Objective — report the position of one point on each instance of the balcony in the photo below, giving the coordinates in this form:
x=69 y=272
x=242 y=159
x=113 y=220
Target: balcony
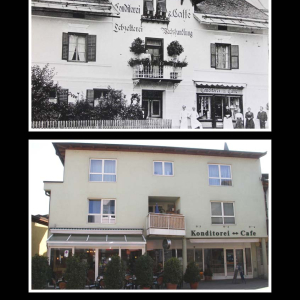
x=165 y=224
x=157 y=74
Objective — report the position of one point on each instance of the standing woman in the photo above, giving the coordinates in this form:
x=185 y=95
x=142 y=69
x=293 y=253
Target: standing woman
x=183 y=118
x=227 y=122
x=249 y=119
x=239 y=119
x=194 y=119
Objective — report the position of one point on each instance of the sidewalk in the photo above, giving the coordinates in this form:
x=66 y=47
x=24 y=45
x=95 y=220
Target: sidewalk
x=251 y=284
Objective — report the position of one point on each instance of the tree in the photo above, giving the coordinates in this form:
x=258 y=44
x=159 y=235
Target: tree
x=42 y=85
x=41 y=271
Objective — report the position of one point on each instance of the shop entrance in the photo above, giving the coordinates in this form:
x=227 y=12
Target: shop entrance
x=211 y=108
x=152 y=104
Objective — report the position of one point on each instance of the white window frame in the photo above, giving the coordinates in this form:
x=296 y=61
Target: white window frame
x=101 y=214
x=102 y=173
x=222 y=216
x=220 y=178
x=163 y=167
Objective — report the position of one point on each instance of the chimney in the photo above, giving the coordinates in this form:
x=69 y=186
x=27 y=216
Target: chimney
x=226 y=147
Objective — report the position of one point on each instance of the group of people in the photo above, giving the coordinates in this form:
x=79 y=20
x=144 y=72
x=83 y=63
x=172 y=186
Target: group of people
x=185 y=115
x=227 y=122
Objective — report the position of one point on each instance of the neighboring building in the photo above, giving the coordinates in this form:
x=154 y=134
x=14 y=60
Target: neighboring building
x=262 y=5
x=39 y=234
x=211 y=207
x=225 y=45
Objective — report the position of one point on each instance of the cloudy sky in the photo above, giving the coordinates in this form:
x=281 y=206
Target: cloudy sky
x=45 y=165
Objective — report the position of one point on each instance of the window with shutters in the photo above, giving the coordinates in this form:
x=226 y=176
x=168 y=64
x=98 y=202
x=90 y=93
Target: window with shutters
x=224 y=56
x=95 y=96
x=78 y=47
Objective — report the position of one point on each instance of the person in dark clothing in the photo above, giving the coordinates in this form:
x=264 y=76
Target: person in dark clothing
x=249 y=116
x=240 y=268
x=262 y=116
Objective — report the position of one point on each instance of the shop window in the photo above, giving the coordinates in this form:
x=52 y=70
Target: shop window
x=103 y=170
x=199 y=259
x=102 y=211
x=87 y=256
x=129 y=257
x=220 y=175
x=204 y=107
x=105 y=256
x=248 y=261
x=214 y=259
x=222 y=213
x=58 y=259
x=157 y=256
x=224 y=56
x=163 y=168
x=78 y=47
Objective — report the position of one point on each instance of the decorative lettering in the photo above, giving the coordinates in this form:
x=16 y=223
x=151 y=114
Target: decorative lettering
x=128 y=8
x=127 y=28
x=176 y=32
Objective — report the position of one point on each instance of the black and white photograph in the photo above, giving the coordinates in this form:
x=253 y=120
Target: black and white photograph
x=149 y=65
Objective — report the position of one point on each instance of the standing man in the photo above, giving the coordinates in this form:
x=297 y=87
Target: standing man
x=262 y=116
x=183 y=118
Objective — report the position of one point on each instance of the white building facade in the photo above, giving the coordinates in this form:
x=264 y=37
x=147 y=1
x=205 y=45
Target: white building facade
x=225 y=46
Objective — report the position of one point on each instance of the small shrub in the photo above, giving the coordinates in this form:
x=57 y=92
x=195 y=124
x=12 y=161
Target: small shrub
x=115 y=273
x=75 y=273
x=172 y=271
x=174 y=48
x=192 y=273
x=41 y=271
x=144 y=271
x=137 y=46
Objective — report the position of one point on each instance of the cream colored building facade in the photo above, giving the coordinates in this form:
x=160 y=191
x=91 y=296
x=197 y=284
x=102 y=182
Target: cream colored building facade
x=106 y=205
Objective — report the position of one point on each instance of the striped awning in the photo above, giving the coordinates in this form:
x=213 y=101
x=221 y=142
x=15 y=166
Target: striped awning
x=231 y=21
x=101 y=8
x=94 y=240
x=207 y=84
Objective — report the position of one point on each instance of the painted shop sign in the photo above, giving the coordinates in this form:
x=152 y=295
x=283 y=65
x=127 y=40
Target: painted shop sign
x=127 y=28
x=128 y=8
x=184 y=14
x=219 y=91
x=222 y=233
x=176 y=32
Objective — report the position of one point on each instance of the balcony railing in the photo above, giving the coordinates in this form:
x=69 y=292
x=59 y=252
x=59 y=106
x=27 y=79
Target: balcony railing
x=157 y=72
x=165 y=224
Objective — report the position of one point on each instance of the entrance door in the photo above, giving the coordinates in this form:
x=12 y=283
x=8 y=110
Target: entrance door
x=217 y=110
x=230 y=262
x=152 y=104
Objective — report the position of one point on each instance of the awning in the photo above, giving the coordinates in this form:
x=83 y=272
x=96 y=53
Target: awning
x=94 y=240
x=231 y=21
x=101 y=8
x=205 y=84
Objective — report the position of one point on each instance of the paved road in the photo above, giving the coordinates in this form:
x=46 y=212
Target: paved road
x=251 y=284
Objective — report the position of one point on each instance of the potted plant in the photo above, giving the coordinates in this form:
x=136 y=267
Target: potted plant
x=144 y=271
x=137 y=46
x=192 y=275
x=174 y=49
x=115 y=273
x=75 y=273
x=208 y=274
x=172 y=273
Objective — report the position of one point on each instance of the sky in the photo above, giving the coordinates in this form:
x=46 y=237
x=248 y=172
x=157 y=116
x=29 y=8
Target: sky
x=45 y=165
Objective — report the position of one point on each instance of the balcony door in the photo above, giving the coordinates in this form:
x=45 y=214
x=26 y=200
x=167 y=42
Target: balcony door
x=156 y=48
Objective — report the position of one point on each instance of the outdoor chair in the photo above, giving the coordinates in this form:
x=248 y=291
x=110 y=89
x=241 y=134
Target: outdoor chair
x=102 y=284
x=158 y=282
x=54 y=283
x=90 y=283
x=128 y=282
x=62 y=285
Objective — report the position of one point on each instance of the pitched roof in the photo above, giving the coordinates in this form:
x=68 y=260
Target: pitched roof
x=62 y=147
x=232 y=8
x=41 y=219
